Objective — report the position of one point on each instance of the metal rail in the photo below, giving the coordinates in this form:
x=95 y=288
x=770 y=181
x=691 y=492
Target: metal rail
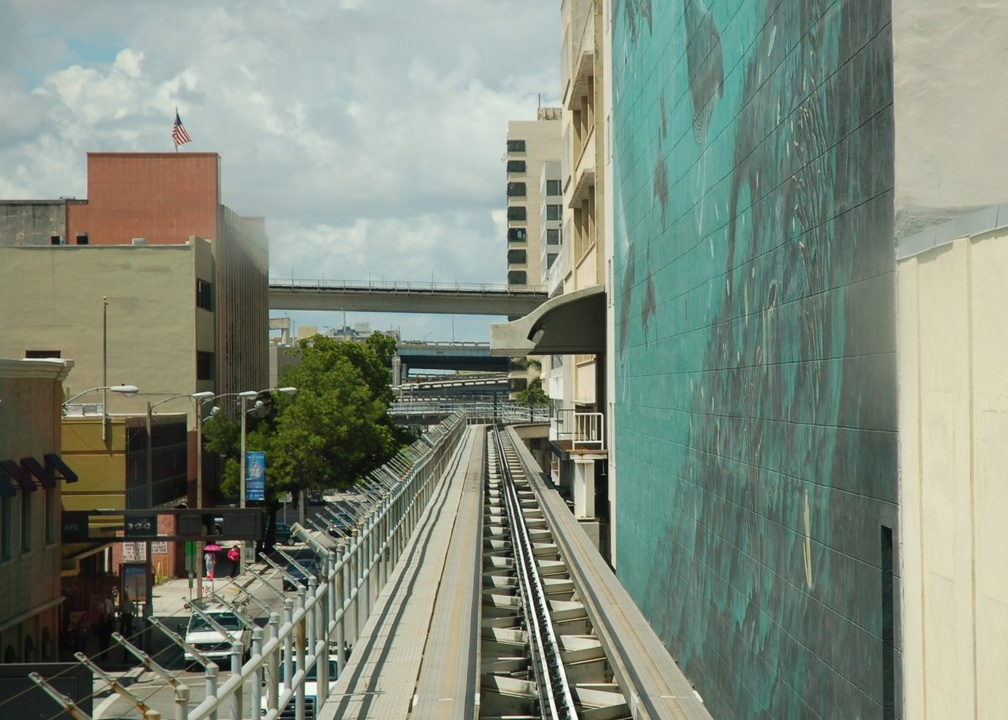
x=556 y=701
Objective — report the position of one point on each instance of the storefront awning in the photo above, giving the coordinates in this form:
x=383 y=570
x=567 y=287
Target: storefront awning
x=15 y=473
x=55 y=464
x=43 y=476
x=569 y=324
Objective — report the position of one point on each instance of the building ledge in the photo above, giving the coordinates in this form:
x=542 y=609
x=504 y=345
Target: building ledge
x=569 y=324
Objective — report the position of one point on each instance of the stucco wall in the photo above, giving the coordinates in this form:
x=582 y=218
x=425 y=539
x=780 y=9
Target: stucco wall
x=755 y=369
x=151 y=316
x=953 y=455
x=951 y=138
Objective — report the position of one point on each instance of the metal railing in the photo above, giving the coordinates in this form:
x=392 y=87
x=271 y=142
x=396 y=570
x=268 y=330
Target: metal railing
x=329 y=613
x=476 y=412
x=584 y=430
x=407 y=286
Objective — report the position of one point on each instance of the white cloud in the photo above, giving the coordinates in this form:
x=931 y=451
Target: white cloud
x=368 y=132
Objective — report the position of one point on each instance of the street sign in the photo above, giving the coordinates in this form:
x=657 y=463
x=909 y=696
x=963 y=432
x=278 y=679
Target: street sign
x=74 y=526
x=255 y=475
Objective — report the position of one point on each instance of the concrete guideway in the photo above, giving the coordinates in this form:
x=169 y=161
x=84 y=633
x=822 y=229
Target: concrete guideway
x=423 y=616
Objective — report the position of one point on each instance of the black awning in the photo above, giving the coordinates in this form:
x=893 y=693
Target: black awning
x=16 y=473
x=55 y=462
x=34 y=467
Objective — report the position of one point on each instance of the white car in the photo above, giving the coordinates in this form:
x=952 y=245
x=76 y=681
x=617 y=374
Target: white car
x=209 y=641
x=311 y=692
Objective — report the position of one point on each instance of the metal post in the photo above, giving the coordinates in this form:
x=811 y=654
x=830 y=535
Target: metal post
x=340 y=596
x=257 y=676
x=273 y=665
x=104 y=365
x=236 y=662
x=199 y=496
x=288 y=668
x=299 y=654
x=211 y=684
x=182 y=702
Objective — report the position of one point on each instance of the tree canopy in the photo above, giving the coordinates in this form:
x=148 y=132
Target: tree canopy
x=334 y=431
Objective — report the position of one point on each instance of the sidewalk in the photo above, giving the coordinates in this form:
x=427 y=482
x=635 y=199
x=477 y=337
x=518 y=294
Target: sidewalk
x=171 y=598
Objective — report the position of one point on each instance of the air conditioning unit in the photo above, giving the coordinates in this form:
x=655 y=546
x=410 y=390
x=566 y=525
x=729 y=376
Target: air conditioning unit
x=139 y=241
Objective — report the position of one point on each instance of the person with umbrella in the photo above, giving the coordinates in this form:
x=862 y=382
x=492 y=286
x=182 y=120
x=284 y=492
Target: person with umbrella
x=209 y=559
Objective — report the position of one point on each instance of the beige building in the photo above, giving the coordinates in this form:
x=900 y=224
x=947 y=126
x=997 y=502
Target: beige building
x=533 y=202
x=125 y=314
x=30 y=490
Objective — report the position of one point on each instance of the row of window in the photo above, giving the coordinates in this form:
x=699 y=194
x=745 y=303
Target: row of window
x=518 y=212
x=82 y=239
x=24 y=513
x=521 y=235
x=518 y=189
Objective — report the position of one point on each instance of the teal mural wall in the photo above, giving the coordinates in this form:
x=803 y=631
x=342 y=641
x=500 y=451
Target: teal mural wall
x=755 y=339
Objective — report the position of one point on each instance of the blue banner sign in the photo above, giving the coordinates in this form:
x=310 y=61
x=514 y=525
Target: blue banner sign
x=255 y=475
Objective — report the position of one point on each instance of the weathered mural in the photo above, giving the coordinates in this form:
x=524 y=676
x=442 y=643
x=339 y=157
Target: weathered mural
x=756 y=396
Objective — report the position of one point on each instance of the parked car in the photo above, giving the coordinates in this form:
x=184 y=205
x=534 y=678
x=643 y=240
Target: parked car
x=306 y=558
x=310 y=690
x=209 y=641
x=283 y=533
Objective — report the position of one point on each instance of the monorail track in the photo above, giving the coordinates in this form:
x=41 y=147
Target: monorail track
x=540 y=657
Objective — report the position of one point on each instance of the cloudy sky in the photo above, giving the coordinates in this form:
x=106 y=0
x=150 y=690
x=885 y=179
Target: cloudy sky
x=369 y=133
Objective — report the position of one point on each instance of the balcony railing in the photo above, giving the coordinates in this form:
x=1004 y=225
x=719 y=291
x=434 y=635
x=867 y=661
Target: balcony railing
x=583 y=430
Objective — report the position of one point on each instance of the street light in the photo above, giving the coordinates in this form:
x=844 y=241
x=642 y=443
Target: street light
x=127 y=390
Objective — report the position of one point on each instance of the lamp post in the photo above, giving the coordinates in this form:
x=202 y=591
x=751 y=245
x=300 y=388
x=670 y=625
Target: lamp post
x=127 y=390
x=245 y=397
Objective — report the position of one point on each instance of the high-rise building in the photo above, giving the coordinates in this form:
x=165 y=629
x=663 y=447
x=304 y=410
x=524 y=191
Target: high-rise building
x=533 y=151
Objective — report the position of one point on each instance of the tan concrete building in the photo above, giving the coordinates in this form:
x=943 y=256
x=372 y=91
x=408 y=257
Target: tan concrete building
x=125 y=315
x=531 y=145
x=30 y=497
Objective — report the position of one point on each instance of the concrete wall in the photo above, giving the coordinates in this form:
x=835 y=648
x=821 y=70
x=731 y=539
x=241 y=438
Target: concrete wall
x=755 y=353
x=949 y=73
x=152 y=322
x=953 y=455
x=33 y=222
x=30 y=395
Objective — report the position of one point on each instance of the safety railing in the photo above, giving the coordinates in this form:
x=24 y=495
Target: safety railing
x=583 y=430
x=329 y=614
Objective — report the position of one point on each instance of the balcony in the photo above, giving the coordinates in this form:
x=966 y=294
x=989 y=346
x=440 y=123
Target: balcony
x=578 y=432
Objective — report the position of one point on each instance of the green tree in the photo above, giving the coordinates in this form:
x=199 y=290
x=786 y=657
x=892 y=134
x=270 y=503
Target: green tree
x=533 y=394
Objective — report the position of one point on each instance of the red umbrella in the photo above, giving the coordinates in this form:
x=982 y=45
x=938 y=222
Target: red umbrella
x=212 y=547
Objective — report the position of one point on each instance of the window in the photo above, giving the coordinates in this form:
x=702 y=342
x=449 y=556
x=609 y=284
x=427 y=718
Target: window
x=49 y=498
x=516 y=145
x=553 y=236
x=55 y=239
x=35 y=354
x=6 y=526
x=516 y=257
x=205 y=366
x=516 y=189
x=26 y=524
x=554 y=212
x=82 y=239
x=550 y=259
x=516 y=277
x=204 y=295
x=553 y=187
x=516 y=166
x=517 y=234
x=516 y=212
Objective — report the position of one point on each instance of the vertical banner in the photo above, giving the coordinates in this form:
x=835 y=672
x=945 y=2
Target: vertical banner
x=255 y=475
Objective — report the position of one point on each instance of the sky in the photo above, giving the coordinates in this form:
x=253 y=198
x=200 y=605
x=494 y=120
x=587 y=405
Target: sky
x=369 y=133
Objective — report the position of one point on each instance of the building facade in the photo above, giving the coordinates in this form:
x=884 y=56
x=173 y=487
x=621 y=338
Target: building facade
x=755 y=351
x=530 y=145
x=31 y=602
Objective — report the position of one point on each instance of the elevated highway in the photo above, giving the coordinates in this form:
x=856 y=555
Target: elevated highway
x=404 y=297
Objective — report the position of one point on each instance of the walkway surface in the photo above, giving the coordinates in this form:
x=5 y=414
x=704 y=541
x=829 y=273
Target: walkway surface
x=417 y=652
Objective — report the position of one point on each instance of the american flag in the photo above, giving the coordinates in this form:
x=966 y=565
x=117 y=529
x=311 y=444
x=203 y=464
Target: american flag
x=178 y=133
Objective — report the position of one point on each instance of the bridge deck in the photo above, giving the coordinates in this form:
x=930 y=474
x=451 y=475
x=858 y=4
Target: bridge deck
x=418 y=651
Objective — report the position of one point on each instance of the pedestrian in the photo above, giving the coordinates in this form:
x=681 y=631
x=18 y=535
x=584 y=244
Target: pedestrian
x=234 y=555
x=208 y=563
x=104 y=635
x=126 y=612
